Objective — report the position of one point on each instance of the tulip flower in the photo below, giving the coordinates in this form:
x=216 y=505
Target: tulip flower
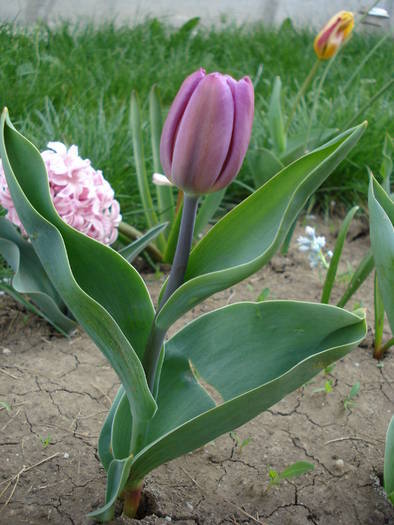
x=333 y=35
x=207 y=132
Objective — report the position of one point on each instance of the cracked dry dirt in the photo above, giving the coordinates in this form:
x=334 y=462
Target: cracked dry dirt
x=60 y=390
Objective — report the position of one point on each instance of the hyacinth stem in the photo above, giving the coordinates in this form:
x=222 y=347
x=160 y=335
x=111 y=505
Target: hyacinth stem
x=177 y=274
x=131 y=496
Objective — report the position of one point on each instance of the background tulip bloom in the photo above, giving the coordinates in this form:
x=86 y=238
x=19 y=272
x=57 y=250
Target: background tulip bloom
x=333 y=35
x=207 y=132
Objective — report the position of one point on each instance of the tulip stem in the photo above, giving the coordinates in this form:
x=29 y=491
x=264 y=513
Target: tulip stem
x=317 y=98
x=183 y=247
x=177 y=274
x=301 y=92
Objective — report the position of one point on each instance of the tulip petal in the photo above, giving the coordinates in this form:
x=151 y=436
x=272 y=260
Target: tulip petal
x=243 y=95
x=173 y=119
x=204 y=135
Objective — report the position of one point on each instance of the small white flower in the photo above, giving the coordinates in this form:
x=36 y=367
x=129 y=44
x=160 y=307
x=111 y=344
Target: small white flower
x=321 y=241
x=313 y=245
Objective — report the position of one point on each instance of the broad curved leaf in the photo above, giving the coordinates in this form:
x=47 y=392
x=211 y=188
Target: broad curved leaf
x=252 y=355
x=105 y=294
x=381 y=220
x=30 y=277
x=226 y=255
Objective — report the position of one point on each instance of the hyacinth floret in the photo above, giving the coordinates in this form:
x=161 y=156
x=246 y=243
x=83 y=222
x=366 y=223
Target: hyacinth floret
x=313 y=244
x=80 y=194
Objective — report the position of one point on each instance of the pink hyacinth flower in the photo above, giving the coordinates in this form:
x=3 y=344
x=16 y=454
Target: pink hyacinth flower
x=80 y=194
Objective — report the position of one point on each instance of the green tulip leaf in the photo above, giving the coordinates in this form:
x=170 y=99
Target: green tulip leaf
x=362 y=271
x=210 y=204
x=226 y=255
x=121 y=429
x=31 y=279
x=275 y=118
x=117 y=477
x=296 y=145
x=104 y=443
x=381 y=220
x=251 y=355
x=264 y=164
x=332 y=269
x=103 y=291
x=132 y=250
x=388 y=471
x=165 y=199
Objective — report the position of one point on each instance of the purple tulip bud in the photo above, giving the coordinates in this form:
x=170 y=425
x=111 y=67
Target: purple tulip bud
x=207 y=132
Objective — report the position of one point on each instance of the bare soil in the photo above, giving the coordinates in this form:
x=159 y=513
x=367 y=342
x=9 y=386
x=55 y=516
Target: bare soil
x=59 y=391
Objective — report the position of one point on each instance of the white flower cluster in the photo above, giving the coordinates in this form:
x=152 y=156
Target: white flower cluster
x=313 y=245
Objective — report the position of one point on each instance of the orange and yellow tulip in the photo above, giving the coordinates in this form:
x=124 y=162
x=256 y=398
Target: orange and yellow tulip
x=333 y=35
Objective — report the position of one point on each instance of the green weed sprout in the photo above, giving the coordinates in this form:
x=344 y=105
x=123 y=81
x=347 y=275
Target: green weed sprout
x=294 y=470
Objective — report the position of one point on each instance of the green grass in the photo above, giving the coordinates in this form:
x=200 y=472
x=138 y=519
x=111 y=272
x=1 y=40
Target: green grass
x=73 y=83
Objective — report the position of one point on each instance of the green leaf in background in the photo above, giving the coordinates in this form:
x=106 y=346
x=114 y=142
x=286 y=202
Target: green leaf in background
x=183 y=34
x=381 y=219
x=132 y=250
x=361 y=273
x=275 y=118
x=264 y=164
x=103 y=291
x=225 y=255
x=280 y=345
x=388 y=472
x=210 y=204
x=169 y=252
x=296 y=144
x=31 y=279
x=386 y=168
x=139 y=160
x=379 y=317
x=336 y=256
x=165 y=199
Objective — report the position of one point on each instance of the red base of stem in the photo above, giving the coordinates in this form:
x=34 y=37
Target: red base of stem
x=131 y=500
